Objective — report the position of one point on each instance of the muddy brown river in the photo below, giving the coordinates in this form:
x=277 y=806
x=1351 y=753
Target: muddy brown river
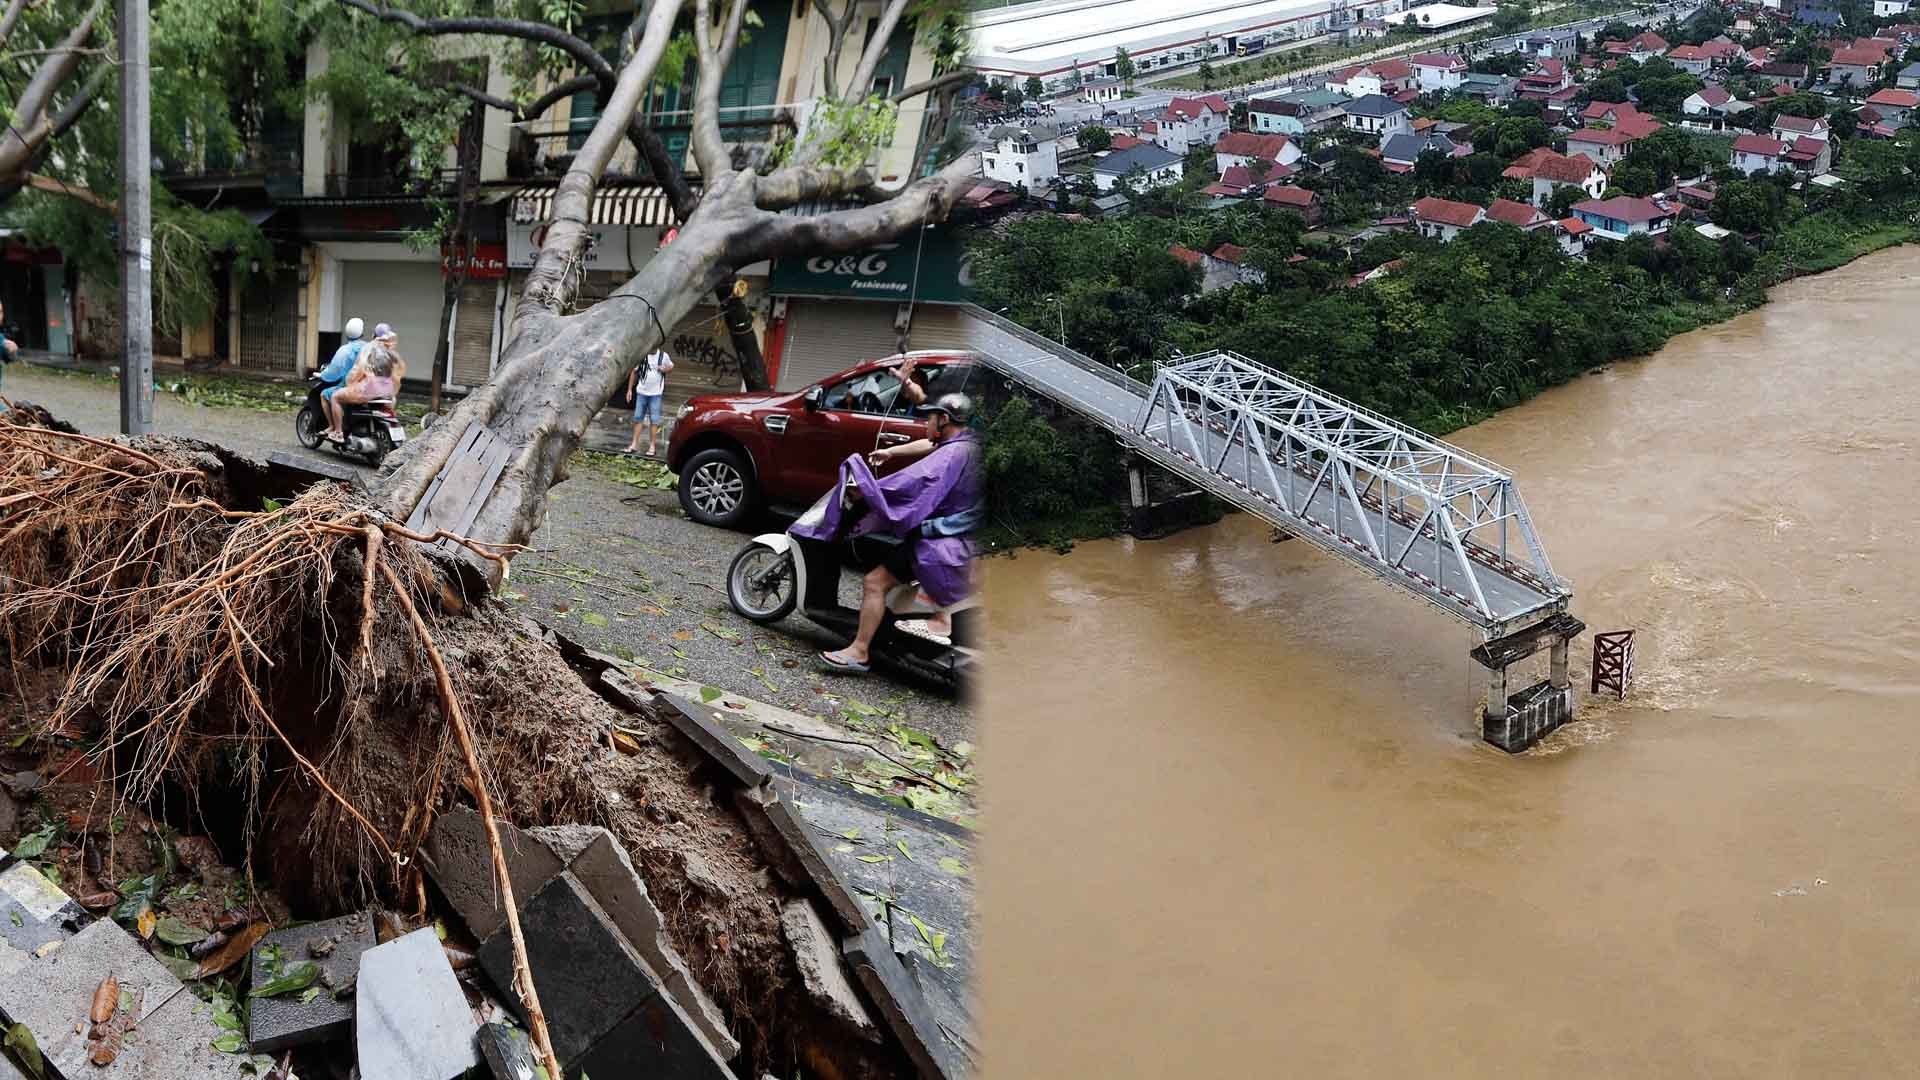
x=1239 y=820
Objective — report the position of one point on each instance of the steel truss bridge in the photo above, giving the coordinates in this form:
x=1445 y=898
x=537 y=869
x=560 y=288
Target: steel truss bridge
x=1417 y=513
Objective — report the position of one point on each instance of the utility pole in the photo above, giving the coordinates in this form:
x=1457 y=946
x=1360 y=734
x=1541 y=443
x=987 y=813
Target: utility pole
x=136 y=223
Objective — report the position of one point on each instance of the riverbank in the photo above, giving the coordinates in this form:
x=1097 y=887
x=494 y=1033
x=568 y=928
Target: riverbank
x=1455 y=334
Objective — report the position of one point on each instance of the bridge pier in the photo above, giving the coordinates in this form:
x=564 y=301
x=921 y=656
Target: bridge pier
x=1515 y=721
x=1149 y=517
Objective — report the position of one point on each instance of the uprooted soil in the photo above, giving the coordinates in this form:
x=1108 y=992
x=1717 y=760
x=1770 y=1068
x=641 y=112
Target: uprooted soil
x=215 y=654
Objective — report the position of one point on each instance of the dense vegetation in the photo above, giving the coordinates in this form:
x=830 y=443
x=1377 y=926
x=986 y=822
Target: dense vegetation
x=1451 y=334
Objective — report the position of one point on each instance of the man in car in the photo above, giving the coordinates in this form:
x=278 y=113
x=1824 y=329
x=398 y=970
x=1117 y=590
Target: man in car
x=931 y=505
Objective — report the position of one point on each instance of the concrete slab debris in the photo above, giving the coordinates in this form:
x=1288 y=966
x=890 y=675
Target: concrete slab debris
x=174 y=1043
x=600 y=864
x=411 y=1020
x=34 y=916
x=821 y=969
x=53 y=995
x=748 y=768
x=794 y=849
x=457 y=856
x=335 y=947
x=606 y=1012
x=901 y=1004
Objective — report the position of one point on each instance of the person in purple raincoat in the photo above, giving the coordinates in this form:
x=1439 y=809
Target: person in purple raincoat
x=932 y=505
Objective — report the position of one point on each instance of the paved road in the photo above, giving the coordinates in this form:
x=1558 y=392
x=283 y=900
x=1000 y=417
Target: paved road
x=1073 y=114
x=617 y=567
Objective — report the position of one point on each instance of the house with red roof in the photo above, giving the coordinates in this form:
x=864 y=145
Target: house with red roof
x=1572 y=235
x=1297 y=200
x=1607 y=112
x=1894 y=106
x=1604 y=145
x=1214 y=273
x=1721 y=52
x=1690 y=58
x=1188 y=122
x=1809 y=156
x=1443 y=219
x=1548 y=75
x=1244 y=271
x=1623 y=216
x=1238 y=181
x=1549 y=171
x=1523 y=216
x=1247 y=147
x=1788 y=128
x=1639 y=48
x=1757 y=154
x=1854 y=67
x=1438 y=71
x=1385 y=77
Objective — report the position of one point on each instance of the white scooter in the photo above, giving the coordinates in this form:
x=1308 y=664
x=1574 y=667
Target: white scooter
x=776 y=572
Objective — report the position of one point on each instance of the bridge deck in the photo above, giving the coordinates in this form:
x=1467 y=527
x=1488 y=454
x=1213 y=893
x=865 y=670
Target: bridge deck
x=1326 y=516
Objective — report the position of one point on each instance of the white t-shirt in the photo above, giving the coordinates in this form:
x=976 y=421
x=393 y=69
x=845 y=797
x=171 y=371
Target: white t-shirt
x=653 y=381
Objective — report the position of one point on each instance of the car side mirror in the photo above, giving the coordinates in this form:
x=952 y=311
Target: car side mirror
x=812 y=396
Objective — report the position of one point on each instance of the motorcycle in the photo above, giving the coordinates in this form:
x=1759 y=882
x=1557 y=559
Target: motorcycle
x=776 y=572
x=373 y=428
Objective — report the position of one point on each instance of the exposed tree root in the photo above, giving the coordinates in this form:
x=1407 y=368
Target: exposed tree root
x=292 y=651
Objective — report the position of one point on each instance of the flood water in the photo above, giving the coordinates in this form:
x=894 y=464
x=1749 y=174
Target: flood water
x=1239 y=820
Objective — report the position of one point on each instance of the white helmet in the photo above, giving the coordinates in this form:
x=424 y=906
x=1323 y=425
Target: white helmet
x=354 y=328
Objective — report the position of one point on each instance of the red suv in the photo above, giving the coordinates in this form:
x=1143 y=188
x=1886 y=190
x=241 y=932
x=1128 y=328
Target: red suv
x=737 y=453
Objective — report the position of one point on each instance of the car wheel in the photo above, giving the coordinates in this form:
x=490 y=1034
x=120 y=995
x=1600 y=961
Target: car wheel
x=308 y=427
x=717 y=488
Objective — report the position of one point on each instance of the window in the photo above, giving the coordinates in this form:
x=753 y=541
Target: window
x=870 y=393
x=938 y=379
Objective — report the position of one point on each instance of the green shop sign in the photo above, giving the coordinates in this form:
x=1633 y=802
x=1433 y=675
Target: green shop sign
x=926 y=265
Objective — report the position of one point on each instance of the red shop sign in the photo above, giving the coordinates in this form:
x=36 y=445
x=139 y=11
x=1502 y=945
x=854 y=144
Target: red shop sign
x=489 y=261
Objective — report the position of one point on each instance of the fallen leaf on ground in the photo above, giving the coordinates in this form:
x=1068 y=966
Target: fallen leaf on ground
x=953 y=866
x=625 y=743
x=177 y=932
x=298 y=977
x=683 y=635
x=902 y=845
x=708 y=693
x=106 y=998
x=145 y=922
x=876 y=858
x=237 y=947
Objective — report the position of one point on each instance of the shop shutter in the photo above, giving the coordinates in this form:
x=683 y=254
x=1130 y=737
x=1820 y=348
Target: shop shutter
x=472 y=357
x=937 y=326
x=409 y=295
x=827 y=336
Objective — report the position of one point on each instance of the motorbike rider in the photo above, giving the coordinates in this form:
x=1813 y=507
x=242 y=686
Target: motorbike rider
x=376 y=373
x=931 y=506
x=334 y=375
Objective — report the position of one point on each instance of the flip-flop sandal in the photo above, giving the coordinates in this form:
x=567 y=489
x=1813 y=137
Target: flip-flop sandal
x=853 y=667
x=921 y=628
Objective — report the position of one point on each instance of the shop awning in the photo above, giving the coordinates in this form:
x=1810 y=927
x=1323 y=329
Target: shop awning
x=616 y=204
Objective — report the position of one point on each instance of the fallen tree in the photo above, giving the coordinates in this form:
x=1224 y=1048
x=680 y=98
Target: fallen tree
x=334 y=679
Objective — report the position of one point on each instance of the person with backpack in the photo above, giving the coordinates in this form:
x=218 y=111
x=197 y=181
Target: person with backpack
x=646 y=385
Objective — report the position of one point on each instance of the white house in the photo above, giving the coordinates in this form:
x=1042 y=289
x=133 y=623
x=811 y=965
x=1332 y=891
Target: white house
x=1101 y=91
x=1438 y=71
x=1188 y=122
x=1884 y=8
x=1788 y=128
x=1158 y=167
x=1443 y=219
x=1604 y=145
x=1550 y=171
x=1378 y=115
x=1757 y=154
x=1020 y=158
x=1245 y=148
x=1380 y=77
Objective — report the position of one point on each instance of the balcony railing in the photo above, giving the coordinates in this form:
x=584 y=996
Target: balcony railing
x=422 y=184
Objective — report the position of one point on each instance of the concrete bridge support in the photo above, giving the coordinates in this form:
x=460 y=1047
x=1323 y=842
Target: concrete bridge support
x=1515 y=721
